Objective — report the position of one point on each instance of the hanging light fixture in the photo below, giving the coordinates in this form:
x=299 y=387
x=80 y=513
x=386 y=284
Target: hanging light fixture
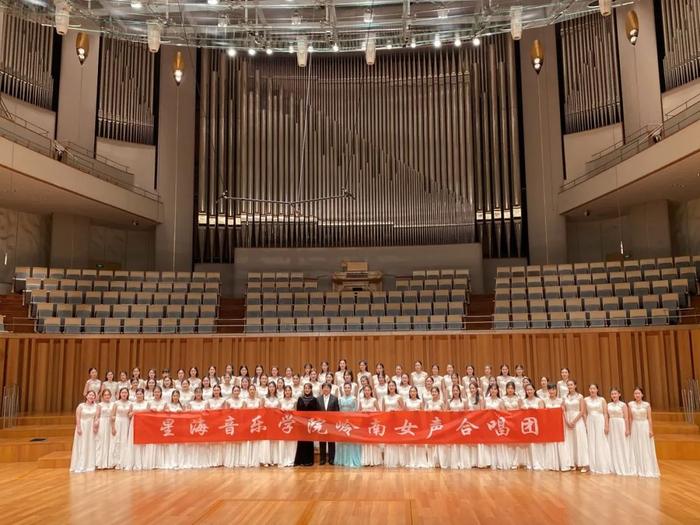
x=632 y=26
x=516 y=22
x=136 y=4
x=368 y=16
x=178 y=68
x=458 y=40
x=437 y=42
x=82 y=47
x=476 y=41
x=154 y=31
x=62 y=18
x=231 y=51
x=413 y=43
x=302 y=50
x=605 y=7
x=537 y=56
x=371 y=49
x=335 y=47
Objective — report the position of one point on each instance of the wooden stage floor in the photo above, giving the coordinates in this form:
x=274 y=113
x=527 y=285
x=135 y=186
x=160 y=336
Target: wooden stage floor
x=331 y=495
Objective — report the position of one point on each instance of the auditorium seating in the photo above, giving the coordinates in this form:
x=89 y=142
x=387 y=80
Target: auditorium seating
x=105 y=301
x=279 y=282
x=627 y=293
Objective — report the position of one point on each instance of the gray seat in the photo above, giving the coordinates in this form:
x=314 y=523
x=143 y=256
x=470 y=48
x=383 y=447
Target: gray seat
x=92 y=325
x=287 y=324
x=520 y=321
x=353 y=324
x=557 y=320
x=438 y=322
x=386 y=323
x=637 y=317
x=131 y=326
x=578 y=319
x=206 y=325
x=253 y=325
x=150 y=326
x=403 y=322
x=112 y=326
x=168 y=326
x=370 y=324
x=501 y=321
x=72 y=325
x=320 y=324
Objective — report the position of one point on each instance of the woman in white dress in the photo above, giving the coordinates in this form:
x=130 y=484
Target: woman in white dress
x=381 y=388
x=398 y=372
x=438 y=455
x=154 y=455
x=543 y=391
x=93 y=383
x=349 y=379
x=426 y=390
x=519 y=381
x=437 y=380
x=339 y=376
x=230 y=371
x=245 y=387
x=119 y=444
x=168 y=388
x=642 y=436
x=556 y=455
x=274 y=375
x=103 y=458
x=308 y=367
x=597 y=430
x=460 y=455
x=415 y=456
x=622 y=461
x=85 y=435
x=233 y=451
x=498 y=454
x=516 y=454
x=330 y=379
x=392 y=402
x=172 y=453
x=297 y=389
x=123 y=382
x=151 y=385
x=136 y=374
x=485 y=381
x=469 y=377
x=503 y=379
x=269 y=450
x=110 y=384
x=563 y=383
x=315 y=383
x=363 y=371
x=575 y=427
x=186 y=393
x=251 y=450
x=404 y=386
x=136 y=454
x=152 y=374
x=216 y=450
x=242 y=374
x=280 y=388
x=196 y=455
x=288 y=376
x=535 y=451
x=448 y=379
x=418 y=376
x=213 y=377
x=226 y=386
x=371 y=454
x=480 y=456
x=378 y=371
x=287 y=449
x=207 y=390
x=177 y=383
x=325 y=369
x=195 y=381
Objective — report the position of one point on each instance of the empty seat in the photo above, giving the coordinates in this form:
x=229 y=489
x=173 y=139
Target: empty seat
x=552 y=292
x=155 y=310
x=502 y=283
x=458 y=295
x=83 y=311
x=57 y=296
x=102 y=310
x=150 y=326
x=641 y=288
x=550 y=280
x=391 y=297
x=386 y=323
x=173 y=311
x=402 y=284
x=650 y=301
x=120 y=310
x=659 y=316
x=567 y=280
x=652 y=274
x=140 y=311
x=110 y=297
x=538 y=306
x=331 y=310
x=591 y=304
x=578 y=319
x=664 y=262
x=377 y=309
x=363 y=297
x=424 y=309
x=455 y=308
x=403 y=322
x=502 y=294
x=420 y=322
x=438 y=322
x=549 y=269
x=587 y=290
x=538 y=320
x=144 y=298
x=533 y=270
x=44 y=310
x=347 y=310
x=580 y=268
x=557 y=320
x=597 y=319
x=410 y=296
x=100 y=286
x=127 y=298
x=408 y=309
x=500 y=321
x=194 y=298
x=666 y=273
x=555 y=305
x=573 y=305
x=164 y=287
x=630 y=302
x=370 y=324
x=213 y=298
x=622 y=289
x=332 y=298
x=253 y=325
x=517 y=271
x=92 y=325
x=347 y=298
x=440 y=308
x=269 y=310
x=599 y=278
x=117 y=286
x=519 y=307
x=616 y=277
x=671 y=303
x=393 y=309
x=445 y=284
x=74 y=297
x=208 y=311
x=64 y=310
x=637 y=317
x=287 y=324
x=301 y=310
x=362 y=310
x=568 y=292
x=168 y=326
x=353 y=324
x=134 y=286
x=425 y=296
x=206 y=325
x=680 y=287
x=518 y=293
x=253 y=298
x=604 y=290
x=583 y=279
x=633 y=276
x=502 y=307
x=520 y=321
x=112 y=326
x=536 y=292
x=131 y=326
x=503 y=272
x=270 y=324
x=428 y=284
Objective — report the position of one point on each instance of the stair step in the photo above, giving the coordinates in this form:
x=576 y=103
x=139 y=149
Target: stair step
x=14 y=450
x=38 y=431
x=678 y=446
x=46 y=419
x=58 y=459
x=674 y=427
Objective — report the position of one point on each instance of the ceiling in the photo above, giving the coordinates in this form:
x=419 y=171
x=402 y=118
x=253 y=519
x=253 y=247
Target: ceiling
x=278 y=24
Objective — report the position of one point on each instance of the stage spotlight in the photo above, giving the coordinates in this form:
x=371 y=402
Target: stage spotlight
x=632 y=26
x=537 y=56
x=516 y=22
x=389 y=45
x=178 y=68
x=82 y=47
x=268 y=50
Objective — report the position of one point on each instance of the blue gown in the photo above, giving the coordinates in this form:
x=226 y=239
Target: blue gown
x=348 y=454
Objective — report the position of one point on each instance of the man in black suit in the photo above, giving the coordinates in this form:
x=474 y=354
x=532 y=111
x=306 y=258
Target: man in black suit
x=327 y=402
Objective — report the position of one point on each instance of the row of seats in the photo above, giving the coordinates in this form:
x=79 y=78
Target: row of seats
x=137 y=311
x=597 y=278
x=432 y=284
x=615 y=318
x=589 y=304
x=441 y=274
x=357 y=310
x=381 y=297
x=598 y=267
x=77 y=325
x=42 y=272
x=273 y=286
x=120 y=286
x=60 y=297
x=679 y=286
x=354 y=324
x=267 y=277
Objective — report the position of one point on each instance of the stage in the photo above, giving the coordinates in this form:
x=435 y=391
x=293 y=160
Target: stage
x=338 y=495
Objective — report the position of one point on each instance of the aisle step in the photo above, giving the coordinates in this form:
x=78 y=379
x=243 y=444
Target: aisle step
x=13 y=450
x=59 y=459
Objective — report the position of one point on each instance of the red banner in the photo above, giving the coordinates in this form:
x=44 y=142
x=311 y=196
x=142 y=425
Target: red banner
x=416 y=427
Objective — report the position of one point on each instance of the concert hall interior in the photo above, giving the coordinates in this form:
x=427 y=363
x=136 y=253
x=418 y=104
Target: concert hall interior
x=362 y=260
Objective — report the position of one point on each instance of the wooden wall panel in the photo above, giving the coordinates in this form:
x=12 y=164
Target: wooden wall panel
x=51 y=370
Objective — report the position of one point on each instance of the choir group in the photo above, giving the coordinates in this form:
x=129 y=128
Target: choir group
x=604 y=437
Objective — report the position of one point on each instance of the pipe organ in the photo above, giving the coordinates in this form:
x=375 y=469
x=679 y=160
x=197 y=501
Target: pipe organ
x=26 y=60
x=590 y=73
x=421 y=148
x=681 y=41
x=126 y=99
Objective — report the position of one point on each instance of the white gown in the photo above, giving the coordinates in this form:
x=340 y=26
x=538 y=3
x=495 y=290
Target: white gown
x=576 y=438
x=534 y=457
x=112 y=386
x=418 y=379
x=516 y=454
x=250 y=453
x=598 y=446
x=622 y=462
x=371 y=454
x=94 y=385
x=136 y=454
x=392 y=452
x=460 y=455
x=119 y=444
x=195 y=455
x=186 y=396
x=480 y=454
x=216 y=450
x=232 y=455
x=153 y=454
x=287 y=449
x=84 y=445
x=562 y=389
x=415 y=456
x=643 y=448
x=103 y=457
x=557 y=455
x=498 y=454
x=519 y=387
x=438 y=455
x=171 y=453
x=269 y=450
x=403 y=391
x=502 y=382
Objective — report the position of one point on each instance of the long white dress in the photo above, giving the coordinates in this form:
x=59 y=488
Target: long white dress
x=287 y=449
x=643 y=448
x=516 y=454
x=233 y=456
x=484 y=382
x=153 y=455
x=186 y=396
x=269 y=450
x=103 y=458
x=216 y=450
x=195 y=455
x=94 y=385
x=136 y=454
x=502 y=382
x=112 y=386
x=576 y=438
x=557 y=455
x=415 y=456
x=167 y=394
x=598 y=445
x=371 y=454
x=562 y=389
x=480 y=454
x=498 y=454
x=438 y=455
x=119 y=444
x=519 y=387
x=250 y=453
x=418 y=379
x=534 y=457
x=84 y=444
x=403 y=390
x=620 y=451
x=392 y=452
x=171 y=453
x=460 y=455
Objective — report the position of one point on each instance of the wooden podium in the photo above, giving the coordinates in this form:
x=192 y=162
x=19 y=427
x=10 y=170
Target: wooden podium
x=356 y=277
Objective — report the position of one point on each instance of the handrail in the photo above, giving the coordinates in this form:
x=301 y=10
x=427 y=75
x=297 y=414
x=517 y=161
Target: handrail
x=682 y=107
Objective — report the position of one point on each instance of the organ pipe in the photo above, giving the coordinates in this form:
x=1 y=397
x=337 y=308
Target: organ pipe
x=681 y=39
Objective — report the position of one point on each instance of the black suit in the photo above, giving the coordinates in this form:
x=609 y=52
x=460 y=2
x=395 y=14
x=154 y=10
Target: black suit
x=327 y=448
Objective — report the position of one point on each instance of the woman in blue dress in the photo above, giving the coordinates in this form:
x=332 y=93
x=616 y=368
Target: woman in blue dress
x=348 y=454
